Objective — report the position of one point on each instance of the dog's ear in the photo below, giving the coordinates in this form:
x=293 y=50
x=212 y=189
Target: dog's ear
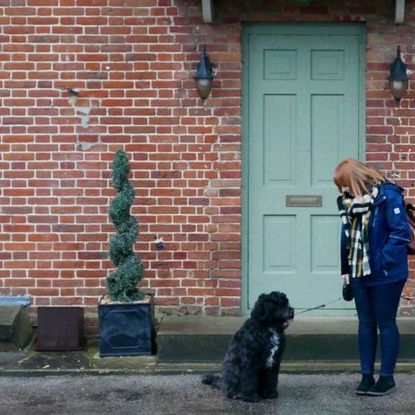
x=279 y=298
x=260 y=311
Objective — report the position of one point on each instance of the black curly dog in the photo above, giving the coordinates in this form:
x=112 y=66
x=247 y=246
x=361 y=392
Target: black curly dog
x=252 y=362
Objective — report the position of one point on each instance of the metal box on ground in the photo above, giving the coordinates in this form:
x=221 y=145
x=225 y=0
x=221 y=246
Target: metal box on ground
x=60 y=328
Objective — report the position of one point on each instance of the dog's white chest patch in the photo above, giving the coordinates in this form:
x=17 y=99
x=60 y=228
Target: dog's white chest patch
x=275 y=344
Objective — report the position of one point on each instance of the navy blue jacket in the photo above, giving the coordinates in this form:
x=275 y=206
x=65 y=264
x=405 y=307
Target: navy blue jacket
x=389 y=236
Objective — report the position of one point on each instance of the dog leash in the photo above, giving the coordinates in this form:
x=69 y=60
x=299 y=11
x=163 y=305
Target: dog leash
x=319 y=306
x=337 y=299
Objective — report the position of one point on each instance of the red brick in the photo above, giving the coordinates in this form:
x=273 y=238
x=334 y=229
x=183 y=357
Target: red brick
x=133 y=66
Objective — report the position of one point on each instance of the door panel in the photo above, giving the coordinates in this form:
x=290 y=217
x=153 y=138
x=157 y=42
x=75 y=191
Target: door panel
x=303 y=114
x=278 y=144
x=326 y=121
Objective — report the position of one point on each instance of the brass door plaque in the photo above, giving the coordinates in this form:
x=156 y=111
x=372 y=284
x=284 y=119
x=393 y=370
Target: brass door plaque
x=303 y=201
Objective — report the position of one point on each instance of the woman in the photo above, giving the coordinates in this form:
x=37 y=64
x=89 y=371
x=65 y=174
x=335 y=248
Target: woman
x=375 y=236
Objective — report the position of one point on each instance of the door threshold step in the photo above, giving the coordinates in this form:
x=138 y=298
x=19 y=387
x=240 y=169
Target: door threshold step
x=205 y=338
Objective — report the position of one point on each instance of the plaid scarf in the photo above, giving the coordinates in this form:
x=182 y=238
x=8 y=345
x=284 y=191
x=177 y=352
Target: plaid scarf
x=355 y=215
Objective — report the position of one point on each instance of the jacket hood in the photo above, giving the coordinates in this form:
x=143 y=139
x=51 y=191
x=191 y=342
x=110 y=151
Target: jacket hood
x=388 y=187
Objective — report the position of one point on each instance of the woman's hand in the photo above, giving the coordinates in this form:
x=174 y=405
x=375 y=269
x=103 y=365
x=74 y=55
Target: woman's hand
x=346 y=279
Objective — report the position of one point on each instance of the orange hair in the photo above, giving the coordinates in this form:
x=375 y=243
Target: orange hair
x=357 y=176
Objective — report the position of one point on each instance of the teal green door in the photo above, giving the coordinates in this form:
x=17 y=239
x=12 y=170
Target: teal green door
x=303 y=113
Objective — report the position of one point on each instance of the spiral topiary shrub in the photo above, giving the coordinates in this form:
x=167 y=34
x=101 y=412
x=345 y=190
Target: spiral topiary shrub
x=122 y=284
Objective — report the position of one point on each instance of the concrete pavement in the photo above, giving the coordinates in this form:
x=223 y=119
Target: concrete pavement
x=322 y=394
x=193 y=344
x=162 y=385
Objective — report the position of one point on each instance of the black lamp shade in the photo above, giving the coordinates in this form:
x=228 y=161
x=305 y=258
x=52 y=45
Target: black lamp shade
x=204 y=76
x=398 y=80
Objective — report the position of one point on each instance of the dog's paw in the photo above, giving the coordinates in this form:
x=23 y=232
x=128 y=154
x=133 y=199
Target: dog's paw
x=272 y=394
x=247 y=397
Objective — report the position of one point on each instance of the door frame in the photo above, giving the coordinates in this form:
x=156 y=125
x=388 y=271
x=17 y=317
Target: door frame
x=249 y=29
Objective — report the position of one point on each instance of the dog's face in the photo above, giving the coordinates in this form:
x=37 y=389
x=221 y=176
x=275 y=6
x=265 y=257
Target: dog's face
x=273 y=310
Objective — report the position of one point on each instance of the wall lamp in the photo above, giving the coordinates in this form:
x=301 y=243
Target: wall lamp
x=398 y=80
x=204 y=75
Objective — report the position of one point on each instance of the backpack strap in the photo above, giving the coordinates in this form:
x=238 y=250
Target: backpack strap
x=410 y=213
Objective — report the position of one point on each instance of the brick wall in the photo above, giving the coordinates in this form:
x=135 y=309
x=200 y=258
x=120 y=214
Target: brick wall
x=132 y=63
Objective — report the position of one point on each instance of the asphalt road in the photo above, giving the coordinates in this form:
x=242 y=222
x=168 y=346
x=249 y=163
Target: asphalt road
x=184 y=394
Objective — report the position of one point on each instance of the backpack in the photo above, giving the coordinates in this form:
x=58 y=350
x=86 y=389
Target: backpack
x=410 y=213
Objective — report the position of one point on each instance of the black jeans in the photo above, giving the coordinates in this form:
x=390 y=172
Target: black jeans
x=376 y=308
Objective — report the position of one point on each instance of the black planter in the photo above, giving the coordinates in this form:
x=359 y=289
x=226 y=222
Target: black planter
x=126 y=329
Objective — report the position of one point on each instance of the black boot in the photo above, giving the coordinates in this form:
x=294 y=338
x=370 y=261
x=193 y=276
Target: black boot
x=384 y=385
x=367 y=382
